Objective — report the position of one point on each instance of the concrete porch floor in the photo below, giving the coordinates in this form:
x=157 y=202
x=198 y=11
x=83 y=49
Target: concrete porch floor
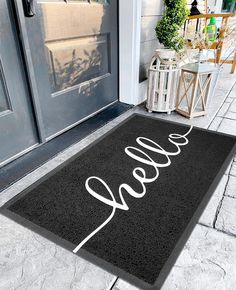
x=208 y=260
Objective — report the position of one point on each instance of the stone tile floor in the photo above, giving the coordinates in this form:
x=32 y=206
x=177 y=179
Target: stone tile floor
x=208 y=260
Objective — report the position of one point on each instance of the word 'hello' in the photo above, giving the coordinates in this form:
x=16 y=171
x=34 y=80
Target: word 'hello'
x=138 y=173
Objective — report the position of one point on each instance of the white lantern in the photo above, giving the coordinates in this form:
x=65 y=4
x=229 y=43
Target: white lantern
x=163 y=77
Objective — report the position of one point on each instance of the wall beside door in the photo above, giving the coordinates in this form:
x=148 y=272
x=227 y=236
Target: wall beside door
x=150 y=14
x=138 y=42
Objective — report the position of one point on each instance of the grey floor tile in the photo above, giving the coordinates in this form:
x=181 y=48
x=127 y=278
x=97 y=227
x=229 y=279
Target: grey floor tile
x=233 y=169
x=230 y=115
x=208 y=261
x=229 y=100
x=209 y=214
x=232 y=94
x=226 y=220
x=225 y=83
x=123 y=285
x=227 y=171
x=231 y=112
x=221 y=93
x=231 y=187
x=215 y=123
x=28 y=261
x=228 y=126
x=223 y=110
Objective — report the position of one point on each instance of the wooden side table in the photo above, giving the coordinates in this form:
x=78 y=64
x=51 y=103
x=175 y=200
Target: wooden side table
x=193 y=90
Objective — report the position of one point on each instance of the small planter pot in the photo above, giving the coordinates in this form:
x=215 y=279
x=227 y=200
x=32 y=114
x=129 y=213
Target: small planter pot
x=166 y=53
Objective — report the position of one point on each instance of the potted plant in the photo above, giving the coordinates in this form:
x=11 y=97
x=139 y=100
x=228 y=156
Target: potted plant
x=168 y=29
x=164 y=68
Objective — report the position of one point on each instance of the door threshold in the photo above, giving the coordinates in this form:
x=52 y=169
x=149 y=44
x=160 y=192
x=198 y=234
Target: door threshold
x=18 y=155
x=20 y=167
x=80 y=121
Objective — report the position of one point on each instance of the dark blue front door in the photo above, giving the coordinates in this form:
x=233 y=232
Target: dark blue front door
x=73 y=49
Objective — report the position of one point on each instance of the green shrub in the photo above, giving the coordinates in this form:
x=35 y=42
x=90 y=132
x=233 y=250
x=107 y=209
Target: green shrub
x=167 y=30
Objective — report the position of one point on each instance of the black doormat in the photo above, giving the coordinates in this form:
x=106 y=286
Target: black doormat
x=129 y=202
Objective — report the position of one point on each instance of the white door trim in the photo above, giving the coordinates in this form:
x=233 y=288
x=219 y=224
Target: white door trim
x=129 y=50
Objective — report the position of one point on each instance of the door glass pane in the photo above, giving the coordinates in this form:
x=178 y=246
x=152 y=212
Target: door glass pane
x=75 y=52
x=4 y=103
x=76 y=61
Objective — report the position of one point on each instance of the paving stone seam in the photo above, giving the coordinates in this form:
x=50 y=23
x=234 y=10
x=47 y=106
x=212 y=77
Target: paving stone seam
x=220 y=203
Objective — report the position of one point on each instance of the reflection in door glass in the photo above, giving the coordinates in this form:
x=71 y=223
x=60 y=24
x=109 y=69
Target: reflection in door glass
x=4 y=104
x=78 y=60
x=75 y=52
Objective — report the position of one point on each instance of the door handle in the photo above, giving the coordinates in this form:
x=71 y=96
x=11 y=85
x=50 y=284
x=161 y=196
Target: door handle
x=29 y=9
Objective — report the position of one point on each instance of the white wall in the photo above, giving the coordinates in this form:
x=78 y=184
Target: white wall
x=150 y=14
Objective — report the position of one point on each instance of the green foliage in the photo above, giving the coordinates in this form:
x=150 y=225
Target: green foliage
x=167 y=30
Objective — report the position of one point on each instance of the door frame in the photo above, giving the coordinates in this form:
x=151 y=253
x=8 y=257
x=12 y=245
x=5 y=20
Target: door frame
x=129 y=51
x=29 y=68
x=22 y=89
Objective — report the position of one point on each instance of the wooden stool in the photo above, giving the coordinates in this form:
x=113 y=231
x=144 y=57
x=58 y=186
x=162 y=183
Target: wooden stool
x=193 y=94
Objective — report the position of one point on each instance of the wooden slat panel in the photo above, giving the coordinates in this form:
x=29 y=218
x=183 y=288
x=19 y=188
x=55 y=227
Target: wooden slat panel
x=161 y=89
x=151 y=89
x=143 y=72
x=169 y=88
x=147 y=50
x=151 y=13
x=153 y=7
x=148 y=25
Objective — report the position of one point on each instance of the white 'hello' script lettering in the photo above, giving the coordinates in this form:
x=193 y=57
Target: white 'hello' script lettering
x=138 y=173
